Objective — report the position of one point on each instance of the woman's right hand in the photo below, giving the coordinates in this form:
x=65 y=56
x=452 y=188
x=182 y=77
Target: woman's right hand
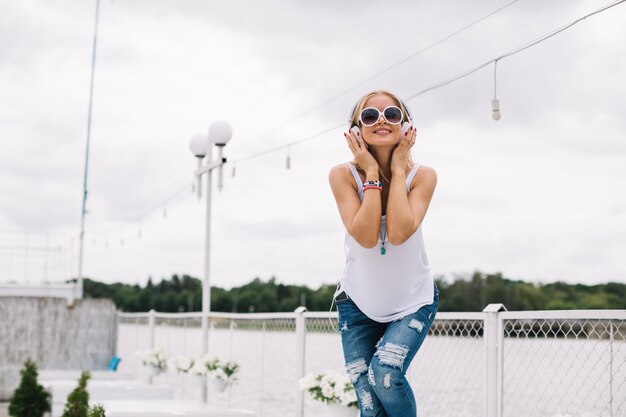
x=362 y=157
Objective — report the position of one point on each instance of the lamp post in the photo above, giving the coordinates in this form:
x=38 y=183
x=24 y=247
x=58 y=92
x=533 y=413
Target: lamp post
x=201 y=145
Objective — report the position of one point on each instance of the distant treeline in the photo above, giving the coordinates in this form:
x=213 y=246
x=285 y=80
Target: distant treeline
x=184 y=293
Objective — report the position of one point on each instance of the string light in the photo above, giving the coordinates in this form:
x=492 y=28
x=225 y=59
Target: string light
x=378 y=74
x=496 y=114
x=495 y=103
x=450 y=80
x=120 y=228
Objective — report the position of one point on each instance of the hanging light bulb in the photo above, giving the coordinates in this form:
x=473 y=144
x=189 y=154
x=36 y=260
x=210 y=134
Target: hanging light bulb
x=193 y=188
x=139 y=232
x=495 y=103
x=288 y=163
x=233 y=173
x=495 y=109
x=164 y=213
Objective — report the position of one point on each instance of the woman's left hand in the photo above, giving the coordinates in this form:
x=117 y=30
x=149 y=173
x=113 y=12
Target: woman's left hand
x=400 y=157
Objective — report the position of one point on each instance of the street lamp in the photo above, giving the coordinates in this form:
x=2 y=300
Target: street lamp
x=201 y=145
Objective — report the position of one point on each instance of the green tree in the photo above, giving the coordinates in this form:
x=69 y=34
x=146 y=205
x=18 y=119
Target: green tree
x=30 y=399
x=461 y=293
x=78 y=401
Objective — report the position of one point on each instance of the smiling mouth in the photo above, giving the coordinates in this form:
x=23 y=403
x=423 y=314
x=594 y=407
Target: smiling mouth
x=382 y=131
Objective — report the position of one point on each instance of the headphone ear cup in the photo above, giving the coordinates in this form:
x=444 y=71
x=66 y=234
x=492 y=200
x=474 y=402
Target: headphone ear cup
x=408 y=111
x=405 y=127
x=352 y=112
x=358 y=135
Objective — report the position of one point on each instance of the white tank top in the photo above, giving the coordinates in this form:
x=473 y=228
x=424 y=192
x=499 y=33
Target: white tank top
x=390 y=286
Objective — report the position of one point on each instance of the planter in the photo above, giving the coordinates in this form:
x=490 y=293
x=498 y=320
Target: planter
x=217 y=385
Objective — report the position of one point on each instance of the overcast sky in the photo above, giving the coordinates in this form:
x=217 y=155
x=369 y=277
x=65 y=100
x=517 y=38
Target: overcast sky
x=538 y=195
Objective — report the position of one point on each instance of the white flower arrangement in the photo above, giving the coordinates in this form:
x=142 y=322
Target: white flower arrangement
x=155 y=359
x=330 y=387
x=215 y=368
x=181 y=364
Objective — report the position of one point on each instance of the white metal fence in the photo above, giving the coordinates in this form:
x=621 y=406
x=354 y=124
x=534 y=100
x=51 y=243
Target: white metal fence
x=489 y=364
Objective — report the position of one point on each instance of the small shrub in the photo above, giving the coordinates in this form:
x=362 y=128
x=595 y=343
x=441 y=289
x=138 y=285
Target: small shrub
x=78 y=401
x=30 y=399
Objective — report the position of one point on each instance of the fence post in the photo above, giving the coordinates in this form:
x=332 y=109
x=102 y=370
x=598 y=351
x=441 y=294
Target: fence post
x=151 y=327
x=300 y=352
x=493 y=359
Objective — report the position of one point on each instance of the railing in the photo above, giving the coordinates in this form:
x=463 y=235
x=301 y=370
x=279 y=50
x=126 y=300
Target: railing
x=489 y=364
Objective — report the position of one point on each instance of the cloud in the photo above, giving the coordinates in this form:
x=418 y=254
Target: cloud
x=534 y=195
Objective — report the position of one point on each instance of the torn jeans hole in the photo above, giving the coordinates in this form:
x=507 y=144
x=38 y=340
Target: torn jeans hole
x=417 y=325
x=392 y=354
x=366 y=400
x=355 y=369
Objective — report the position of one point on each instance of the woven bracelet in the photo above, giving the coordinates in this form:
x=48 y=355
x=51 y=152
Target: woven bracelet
x=375 y=183
x=367 y=187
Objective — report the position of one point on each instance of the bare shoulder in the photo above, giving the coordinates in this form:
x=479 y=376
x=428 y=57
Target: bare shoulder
x=339 y=172
x=425 y=177
x=340 y=178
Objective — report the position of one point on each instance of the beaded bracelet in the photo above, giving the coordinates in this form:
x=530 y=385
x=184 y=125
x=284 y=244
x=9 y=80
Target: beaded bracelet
x=375 y=183
x=367 y=187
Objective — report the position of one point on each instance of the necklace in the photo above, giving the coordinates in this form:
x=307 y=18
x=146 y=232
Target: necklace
x=382 y=240
x=383 y=250
x=385 y=178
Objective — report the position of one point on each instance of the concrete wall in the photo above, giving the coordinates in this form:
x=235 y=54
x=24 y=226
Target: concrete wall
x=54 y=335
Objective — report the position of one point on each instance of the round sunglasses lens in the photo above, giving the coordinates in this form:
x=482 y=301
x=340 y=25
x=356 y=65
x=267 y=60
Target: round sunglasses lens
x=369 y=116
x=393 y=115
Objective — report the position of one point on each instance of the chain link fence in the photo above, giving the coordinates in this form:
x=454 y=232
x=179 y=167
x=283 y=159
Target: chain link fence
x=566 y=363
x=551 y=364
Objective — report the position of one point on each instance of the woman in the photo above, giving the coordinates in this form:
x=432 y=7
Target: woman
x=387 y=299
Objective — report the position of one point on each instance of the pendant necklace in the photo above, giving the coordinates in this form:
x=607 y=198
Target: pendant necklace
x=383 y=250
x=382 y=239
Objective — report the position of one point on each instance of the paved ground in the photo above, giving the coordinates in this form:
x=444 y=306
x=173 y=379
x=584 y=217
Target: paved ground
x=4 y=412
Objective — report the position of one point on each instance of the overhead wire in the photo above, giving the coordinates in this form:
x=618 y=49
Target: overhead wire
x=146 y=213
x=513 y=52
x=376 y=75
x=448 y=81
x=305 y=139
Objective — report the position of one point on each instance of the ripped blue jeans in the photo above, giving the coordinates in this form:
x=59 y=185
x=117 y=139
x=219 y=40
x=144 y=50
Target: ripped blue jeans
x=377 y=356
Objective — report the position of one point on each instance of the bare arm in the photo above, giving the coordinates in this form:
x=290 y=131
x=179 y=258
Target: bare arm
x=361 y=218
x=405 y=212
